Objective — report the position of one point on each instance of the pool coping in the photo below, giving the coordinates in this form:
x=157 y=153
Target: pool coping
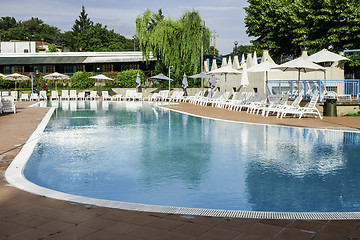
x=14 y=175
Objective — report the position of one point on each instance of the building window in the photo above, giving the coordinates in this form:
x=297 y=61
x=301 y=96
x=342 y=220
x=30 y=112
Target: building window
x=49 y=69
x=18 y=69
x=68 y=69
x=80 y=68
x=26 y=50
x=108 y=68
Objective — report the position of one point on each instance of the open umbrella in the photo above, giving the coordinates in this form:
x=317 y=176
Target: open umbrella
x=56 y=76
x=299 y=65
x=201 y=75
x=161 y=77
x=185 y=82
x=2 y=75
x=101 y=77
x=225 y=71
x=325 y=56
x=138 y=80
x=264 y=67
x=16 y=77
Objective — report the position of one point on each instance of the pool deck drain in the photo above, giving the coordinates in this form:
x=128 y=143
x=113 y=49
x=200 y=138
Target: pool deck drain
x=20 y=209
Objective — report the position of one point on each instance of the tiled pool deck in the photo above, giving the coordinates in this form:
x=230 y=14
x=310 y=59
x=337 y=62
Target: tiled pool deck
x=27 y=216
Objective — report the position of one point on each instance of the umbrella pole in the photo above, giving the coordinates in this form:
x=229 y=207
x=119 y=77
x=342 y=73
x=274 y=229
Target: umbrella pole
x=267 y=85
x=299 y=83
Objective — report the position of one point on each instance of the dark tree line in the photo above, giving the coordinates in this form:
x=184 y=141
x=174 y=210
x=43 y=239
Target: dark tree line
x=85 y=35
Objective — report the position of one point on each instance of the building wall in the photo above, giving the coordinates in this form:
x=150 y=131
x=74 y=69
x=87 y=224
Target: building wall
x=18 y=47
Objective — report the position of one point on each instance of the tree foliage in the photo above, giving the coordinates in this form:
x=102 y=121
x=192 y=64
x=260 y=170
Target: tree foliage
x=127 y=78
x=174 y=43
x=287 y=27
x=82 y=80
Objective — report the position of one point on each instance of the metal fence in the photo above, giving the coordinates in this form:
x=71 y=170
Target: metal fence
x=344 y=89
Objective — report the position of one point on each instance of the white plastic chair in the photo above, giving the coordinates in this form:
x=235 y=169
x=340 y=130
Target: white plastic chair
x=81 y=96
x=73 y=95
x=14 y=94
x=105 y=95
x=42 y=95
x=24 y=97
x=54 y=95
x=8 y=104
x=34 y=97
x=301 y=111
x=64 y=95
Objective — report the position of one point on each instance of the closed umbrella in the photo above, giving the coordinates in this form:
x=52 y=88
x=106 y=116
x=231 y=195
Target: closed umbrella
x=56 y=76
x=236 y=64
x=300 y=65
x=255 y=58
x=244 y=77
x=224 y=63
x=138 y=81
x=214 y=64
x=212 y=82
x=16 y=77
x=226 y=71
x=185 y=82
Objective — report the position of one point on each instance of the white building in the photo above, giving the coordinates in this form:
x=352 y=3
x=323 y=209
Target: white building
x=18 y=47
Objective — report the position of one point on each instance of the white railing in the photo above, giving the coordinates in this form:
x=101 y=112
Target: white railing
x=345 y=89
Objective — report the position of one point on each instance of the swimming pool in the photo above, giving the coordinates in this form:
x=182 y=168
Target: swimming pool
x=137 y=152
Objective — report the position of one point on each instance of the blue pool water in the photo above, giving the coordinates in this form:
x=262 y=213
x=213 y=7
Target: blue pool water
x=137 y=152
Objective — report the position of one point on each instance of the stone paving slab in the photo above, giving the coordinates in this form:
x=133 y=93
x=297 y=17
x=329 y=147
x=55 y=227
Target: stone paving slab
x=27 y=216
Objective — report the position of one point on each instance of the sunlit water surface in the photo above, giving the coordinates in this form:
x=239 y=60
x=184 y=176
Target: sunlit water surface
x=137 y=152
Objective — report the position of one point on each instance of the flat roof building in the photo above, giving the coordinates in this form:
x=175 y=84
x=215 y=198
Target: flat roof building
x=71 y=62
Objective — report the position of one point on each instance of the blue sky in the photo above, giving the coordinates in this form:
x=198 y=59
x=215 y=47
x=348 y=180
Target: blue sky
x=226 y=17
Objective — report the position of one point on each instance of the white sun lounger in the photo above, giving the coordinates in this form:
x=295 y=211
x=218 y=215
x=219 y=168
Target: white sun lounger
x=301 y=111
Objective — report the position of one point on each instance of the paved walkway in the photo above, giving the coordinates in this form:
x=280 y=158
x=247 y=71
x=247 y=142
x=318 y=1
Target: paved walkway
x=27 y=216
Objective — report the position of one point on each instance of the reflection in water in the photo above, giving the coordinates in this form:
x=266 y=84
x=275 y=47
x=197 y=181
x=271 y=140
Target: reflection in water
x=134 y=151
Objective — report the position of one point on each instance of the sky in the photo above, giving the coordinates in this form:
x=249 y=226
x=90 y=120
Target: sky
x=225 y=17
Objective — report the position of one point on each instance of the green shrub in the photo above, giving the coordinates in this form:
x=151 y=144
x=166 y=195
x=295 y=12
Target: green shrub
x=6 y=84
x=82 y=80
x=127 y=78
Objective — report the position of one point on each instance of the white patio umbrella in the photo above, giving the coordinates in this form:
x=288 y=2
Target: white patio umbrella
x=229 y=61
x=138 y=80
x=225 y=71
x=56 y=76
x=242 y=59
x=255 y=58
x=264 y=67
x=212 y=82
x=2 y=75
x=101 y=77
x=223 y=63
x=16 y=77
x=244 y=76
x=236 y=64
x=324 y=56
x=185 y=82
x=201 y=75
x=214 y=64
x=161 y=77
x=300 y=65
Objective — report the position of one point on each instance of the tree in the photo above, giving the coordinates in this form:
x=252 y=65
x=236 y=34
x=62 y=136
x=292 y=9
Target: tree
x=242 y=49
x=82 y=24
x=287 y=27
x=52 y=48
x=174 y=43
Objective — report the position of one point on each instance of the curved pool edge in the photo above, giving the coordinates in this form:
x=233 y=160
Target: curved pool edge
x=14 y=175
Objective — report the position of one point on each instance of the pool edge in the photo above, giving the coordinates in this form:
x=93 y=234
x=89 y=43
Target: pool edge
x=14 y=175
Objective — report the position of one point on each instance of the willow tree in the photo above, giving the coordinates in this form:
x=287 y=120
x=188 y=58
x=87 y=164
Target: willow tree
x=174 y=43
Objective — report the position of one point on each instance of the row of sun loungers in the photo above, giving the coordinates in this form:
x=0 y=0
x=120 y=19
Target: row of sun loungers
x=255 y=103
